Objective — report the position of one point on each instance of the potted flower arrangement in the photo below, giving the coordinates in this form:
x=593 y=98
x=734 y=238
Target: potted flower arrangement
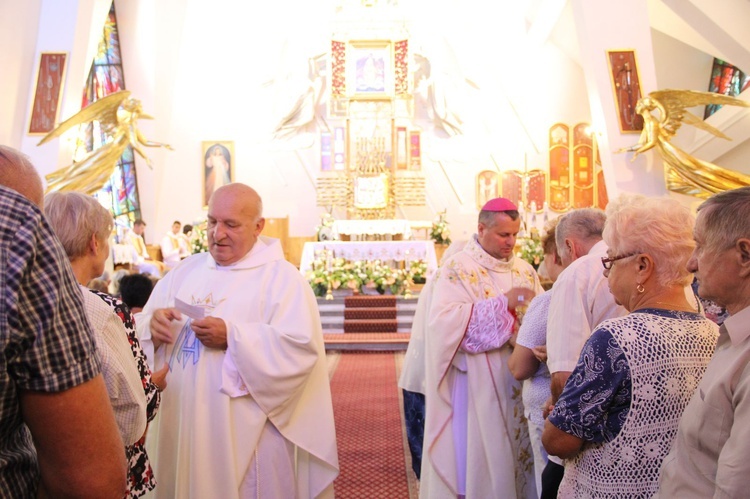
x=418 y=271
x=367 y=277
x=344 y=276
x=531 y=249
x=199 y=238
x=318 y=279
x=381 y=278
x=324 y=231
x=440 y=232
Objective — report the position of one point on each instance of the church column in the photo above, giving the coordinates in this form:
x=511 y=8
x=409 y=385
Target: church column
x=603 y=26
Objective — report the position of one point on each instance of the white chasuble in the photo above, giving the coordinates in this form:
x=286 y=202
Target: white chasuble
x=217 y=402
x=490 y=417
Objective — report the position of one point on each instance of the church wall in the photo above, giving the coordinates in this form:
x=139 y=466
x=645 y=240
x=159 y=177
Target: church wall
x=225 y=71
x=237 y=86
x=679 y=65
x=19 y=22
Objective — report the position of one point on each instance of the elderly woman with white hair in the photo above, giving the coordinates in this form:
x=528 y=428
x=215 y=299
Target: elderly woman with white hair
x=83 y=227
x=617 y=416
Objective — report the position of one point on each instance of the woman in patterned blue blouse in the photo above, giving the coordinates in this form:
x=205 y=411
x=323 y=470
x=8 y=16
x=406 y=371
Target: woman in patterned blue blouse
x=618 y=414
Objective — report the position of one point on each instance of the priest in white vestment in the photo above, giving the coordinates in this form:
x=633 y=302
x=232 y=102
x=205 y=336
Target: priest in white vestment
x=247 y=412
x=173 y=247
x=143 y=263
x=476 y=442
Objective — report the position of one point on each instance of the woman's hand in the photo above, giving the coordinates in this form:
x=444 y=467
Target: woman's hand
x=540 y=353
x=159 y=378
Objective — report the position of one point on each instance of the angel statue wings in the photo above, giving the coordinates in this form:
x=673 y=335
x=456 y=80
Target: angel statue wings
x=684 y=173
x=118 y=114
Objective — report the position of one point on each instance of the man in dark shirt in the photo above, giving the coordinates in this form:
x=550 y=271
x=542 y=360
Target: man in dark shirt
x=51 y=391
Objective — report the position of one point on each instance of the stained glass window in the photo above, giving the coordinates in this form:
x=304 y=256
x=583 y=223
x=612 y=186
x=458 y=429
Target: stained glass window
x=726 y=80
x=120 y=194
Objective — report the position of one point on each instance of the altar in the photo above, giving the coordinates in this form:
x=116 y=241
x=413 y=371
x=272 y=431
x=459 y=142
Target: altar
x=368 y=230
x=123 y=254
x=398 y=251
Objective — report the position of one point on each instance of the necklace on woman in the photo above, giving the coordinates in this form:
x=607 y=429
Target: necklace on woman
x=673 y=306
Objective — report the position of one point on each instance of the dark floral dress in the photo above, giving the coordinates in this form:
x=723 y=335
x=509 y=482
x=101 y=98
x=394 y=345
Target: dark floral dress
x=140 y=475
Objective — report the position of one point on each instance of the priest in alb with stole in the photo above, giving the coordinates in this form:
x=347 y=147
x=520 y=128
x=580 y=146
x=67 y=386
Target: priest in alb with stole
x=476 y=442
x=247 y=412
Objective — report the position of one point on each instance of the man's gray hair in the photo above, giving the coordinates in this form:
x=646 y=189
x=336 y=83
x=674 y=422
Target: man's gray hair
x=75 y=217
x=585 y=224
x=726 y=218
x=489 y=218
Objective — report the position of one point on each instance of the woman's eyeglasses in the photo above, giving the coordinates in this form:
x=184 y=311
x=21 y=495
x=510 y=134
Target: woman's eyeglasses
x=608 y=261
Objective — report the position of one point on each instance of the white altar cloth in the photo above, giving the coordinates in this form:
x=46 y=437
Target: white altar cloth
x=359 y=228
x=400 y=251
x=123 y=254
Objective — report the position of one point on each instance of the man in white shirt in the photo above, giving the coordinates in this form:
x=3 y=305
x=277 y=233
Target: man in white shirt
x=711 y=456
x=173 y=247
x=580 y=296
x=580 y=301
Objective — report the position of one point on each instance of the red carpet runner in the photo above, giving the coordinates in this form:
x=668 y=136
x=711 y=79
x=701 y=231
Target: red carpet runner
x=368 y=427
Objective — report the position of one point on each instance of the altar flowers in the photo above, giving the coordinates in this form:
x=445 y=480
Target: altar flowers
x=363 y=276
x=440 y=232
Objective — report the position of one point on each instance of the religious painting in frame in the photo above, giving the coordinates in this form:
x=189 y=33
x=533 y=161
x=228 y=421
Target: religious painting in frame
x=47 y=92
x=626 y=85
x=370 y=70
x=487 y=187
x=371 y=192
x=218 y=166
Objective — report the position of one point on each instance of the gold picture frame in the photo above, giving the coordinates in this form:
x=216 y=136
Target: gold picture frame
x=45 y=106
x=218 y=165
x=370 y=70
x=372 y=192
x=626 y=87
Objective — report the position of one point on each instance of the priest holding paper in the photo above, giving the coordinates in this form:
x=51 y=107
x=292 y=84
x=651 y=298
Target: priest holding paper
x=476 y=440
x=248 y=410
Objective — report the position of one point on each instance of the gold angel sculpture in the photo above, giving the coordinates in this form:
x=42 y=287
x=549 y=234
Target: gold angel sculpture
x=684 y=173
x=118 y=115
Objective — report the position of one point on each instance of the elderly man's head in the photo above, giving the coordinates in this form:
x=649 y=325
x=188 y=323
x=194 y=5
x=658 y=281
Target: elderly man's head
x=721 y=260
x=235 y=220
x=17 y=173
x=577 y=232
